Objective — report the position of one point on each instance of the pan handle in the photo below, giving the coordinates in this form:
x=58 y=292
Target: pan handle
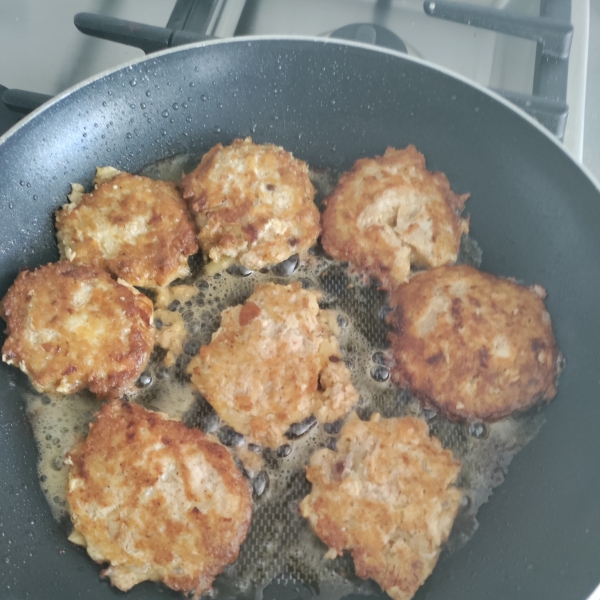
x=145 y=37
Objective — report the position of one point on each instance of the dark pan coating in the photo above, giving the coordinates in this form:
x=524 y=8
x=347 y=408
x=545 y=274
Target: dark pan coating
x=137 y=228
x=156 y=500
x=72 y=327
x=473 y=345
x=537 y=215
x=389 y=212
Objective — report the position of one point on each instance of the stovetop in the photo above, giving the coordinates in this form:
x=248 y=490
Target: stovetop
x=539 y=68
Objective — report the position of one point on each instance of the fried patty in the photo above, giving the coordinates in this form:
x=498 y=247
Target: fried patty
x=386 y=495
x=137 y=228
x=72 y=327
x=273 y=362
x=156 y=500
x=253 y=204
x=472 y=345
x=389 y=212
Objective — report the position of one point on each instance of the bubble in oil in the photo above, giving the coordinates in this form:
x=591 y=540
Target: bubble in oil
x=287 y=267
x=477 y=430
x=299 y=429
x=239 y=270
x=380 y=373
x=229 y=437
x=145 y=379
x=284 y=450
x=333 y=428
x=260 y=484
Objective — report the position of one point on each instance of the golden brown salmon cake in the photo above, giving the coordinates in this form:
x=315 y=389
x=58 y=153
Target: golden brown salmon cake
x=386 y=494
x=273 y=362
x=253 y=204
x=156 y=500
x=137 y=228
x=72 y=327
x=472 y=345
x=389 y=212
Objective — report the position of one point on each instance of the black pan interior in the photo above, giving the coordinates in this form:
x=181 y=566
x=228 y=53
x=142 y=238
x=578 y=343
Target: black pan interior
x=534 y=213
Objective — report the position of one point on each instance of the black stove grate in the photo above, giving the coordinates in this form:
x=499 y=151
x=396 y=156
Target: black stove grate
x=196 y=20
x=552 y=31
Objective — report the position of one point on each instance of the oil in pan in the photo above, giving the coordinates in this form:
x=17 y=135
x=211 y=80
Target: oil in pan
x=280 y=545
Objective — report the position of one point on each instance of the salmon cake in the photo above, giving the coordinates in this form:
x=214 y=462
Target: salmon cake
x=72 y=327
x=386 y=495
x=389 y=212
x=471 y=345
x=137 y=228
x=275 y=361
x=253 y=204
x=156 y=500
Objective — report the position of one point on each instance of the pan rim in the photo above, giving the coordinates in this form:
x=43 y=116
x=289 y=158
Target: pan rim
x=314 y=39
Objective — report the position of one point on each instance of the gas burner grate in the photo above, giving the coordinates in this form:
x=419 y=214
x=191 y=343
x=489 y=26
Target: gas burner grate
x=197 y=20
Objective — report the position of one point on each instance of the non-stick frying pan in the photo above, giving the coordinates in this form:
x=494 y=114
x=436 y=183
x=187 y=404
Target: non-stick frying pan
x=534 y=212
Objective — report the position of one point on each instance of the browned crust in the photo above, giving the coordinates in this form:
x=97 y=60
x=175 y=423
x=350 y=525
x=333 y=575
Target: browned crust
x=273 y=362
x=113 y=327
x=369 y=248
x=386 y=495
x=233 y=193
x=200 y=545
x=489 y=351
x=152 y=258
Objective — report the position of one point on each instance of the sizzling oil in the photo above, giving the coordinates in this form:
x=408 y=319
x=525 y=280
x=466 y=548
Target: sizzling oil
x=280 y=545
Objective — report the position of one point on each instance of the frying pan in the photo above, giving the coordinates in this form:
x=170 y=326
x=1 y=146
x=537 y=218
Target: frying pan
x=534 y=212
